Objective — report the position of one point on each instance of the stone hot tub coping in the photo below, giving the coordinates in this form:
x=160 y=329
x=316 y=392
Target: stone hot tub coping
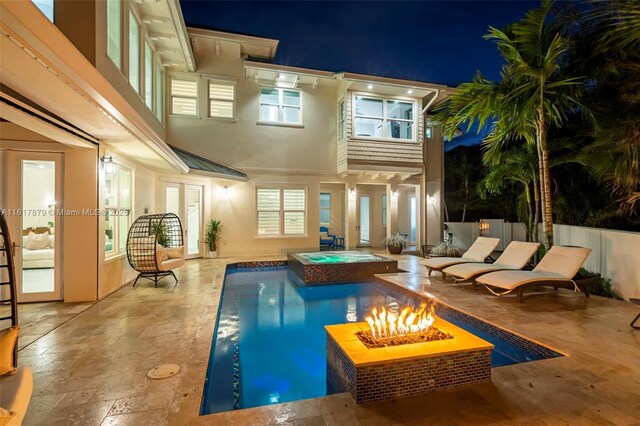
x=345 y=336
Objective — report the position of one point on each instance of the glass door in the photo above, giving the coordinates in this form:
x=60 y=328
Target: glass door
x=364 y=220
x=194 y=220
x=186 y=201
x=414 y=220
x=34 y=200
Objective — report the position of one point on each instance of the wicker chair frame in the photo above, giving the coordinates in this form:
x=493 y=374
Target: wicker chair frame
x=145 y=234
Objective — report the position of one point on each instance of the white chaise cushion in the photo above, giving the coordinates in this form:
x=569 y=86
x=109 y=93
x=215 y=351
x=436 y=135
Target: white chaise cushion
x=481 y=249
x=443 y=262
x=563 y=260
x=515 y=256
x=512 y=279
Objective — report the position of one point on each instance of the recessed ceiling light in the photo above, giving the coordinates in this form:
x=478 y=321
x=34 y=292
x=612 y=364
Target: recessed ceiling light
x=370 y=86
x=410 y=91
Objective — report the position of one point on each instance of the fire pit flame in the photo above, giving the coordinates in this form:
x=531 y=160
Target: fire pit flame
x=385 y=323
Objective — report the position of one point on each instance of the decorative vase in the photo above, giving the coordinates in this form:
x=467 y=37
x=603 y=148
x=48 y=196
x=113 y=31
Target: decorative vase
x=394 y=249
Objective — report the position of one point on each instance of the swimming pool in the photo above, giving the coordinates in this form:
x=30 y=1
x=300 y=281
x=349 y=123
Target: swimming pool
x=270 y=342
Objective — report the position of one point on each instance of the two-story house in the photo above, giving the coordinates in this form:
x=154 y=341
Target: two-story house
x=114 y=109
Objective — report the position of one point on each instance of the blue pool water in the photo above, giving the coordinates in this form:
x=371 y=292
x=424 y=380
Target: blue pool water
x=270 y=341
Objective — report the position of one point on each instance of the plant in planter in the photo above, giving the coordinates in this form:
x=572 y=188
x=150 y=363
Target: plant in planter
x=447 y=249
x=212 y=236
x=161 y=232
x=395 y=243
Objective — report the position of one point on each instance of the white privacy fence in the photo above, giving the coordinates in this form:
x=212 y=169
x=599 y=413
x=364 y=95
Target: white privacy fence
x=615 y=254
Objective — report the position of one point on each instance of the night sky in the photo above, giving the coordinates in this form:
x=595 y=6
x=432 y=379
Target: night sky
x=431 y=41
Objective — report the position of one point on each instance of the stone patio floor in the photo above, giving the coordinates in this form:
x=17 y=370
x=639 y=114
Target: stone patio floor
x=90 y=360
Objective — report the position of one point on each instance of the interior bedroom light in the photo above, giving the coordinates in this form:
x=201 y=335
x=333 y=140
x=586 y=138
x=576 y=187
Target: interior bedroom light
x=352 y=192
x=225 y=191
x=370 y=86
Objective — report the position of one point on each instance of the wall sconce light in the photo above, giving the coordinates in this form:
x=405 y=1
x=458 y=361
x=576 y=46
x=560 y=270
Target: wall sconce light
x=352 y=192
x=225 y=191
x=394 y=193
x=108 y=165
x=430 y=199
x=484 y=227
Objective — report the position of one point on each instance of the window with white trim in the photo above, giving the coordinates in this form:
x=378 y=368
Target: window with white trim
x=221 y=99
x=184 y=96
x=117 y=210
x=113 y=32
x=384 y=118
x=280 y=105
x=325 y=208
x=281 y=211
x=159 y=92
x=134 y=52
x=148 y=75
x=341 y=120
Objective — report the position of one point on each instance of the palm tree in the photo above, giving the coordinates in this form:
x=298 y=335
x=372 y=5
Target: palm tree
x=533 y=95
x=519 y=166
x=610 y=56
x=461 y=170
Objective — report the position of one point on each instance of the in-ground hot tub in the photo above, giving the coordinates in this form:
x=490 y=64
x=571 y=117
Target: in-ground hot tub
x=339 y=266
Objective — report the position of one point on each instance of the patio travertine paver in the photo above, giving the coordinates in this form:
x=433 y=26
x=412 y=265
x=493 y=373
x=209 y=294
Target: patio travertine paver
x=92 y=368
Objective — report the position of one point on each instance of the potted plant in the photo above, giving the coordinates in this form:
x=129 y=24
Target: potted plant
x=395 y=243
x=212 y=236
x=161 y=232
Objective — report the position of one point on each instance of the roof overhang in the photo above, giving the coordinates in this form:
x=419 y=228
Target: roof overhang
x=287 y=77
x=43 y=66
x=165 y=26
x=229 y=44
x=199 y=165
x=389 y=86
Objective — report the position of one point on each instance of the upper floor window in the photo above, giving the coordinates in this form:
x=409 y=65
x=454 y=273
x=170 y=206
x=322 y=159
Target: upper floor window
x=280 y=105
x=341 y=120
x=148 y=75
x=117 y=204
x=113 y=31
x=281 y=211
x=184 y=97
x=134 y=53
x=384 y=118
x=325 y=208
x=159 y=92
x=46 y=7
x=221 y=99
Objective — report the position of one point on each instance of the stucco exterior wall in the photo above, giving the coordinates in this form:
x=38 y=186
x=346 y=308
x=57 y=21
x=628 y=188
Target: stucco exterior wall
x=247 y=145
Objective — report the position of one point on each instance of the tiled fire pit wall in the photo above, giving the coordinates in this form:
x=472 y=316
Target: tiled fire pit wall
x=339 y=272
x=400 y=371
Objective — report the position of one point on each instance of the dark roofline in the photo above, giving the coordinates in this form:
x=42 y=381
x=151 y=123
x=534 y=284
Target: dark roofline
x=225 y=171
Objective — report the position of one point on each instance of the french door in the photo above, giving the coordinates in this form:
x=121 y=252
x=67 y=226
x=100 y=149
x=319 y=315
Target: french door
x=364 y=220
x=186 y=201
x=34 y=199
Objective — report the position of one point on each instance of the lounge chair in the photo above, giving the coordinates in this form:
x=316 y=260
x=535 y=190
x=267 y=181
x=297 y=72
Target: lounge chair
x=327 y=241
x=556 y=269
x=478 y=252
x=515 y=256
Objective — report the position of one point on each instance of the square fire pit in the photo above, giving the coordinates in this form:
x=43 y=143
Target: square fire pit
x=410 y=369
